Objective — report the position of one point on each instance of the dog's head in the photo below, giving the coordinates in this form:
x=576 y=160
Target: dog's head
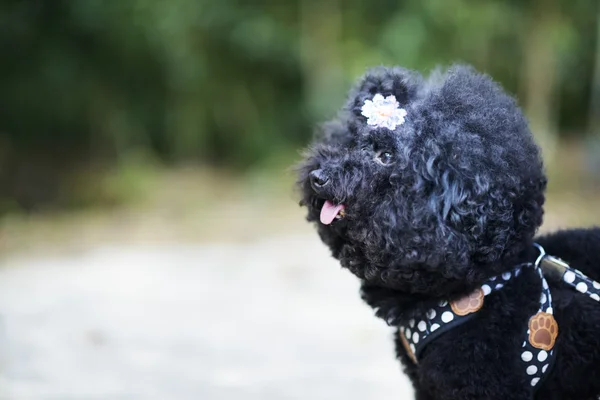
x=425 y=186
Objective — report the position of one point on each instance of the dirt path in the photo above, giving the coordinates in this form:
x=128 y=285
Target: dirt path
x=271 y=319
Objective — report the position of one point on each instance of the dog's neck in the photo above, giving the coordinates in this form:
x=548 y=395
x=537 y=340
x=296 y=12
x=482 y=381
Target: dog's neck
x=394 y=305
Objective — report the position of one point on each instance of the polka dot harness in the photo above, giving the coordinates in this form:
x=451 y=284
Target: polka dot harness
x=537 y=353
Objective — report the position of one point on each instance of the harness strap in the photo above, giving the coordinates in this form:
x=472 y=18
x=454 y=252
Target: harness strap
x=418 y=333
x=542 y=330
x=557 y=268
x=537 y=350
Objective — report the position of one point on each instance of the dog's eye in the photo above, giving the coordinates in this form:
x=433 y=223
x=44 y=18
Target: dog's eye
x=385 y=157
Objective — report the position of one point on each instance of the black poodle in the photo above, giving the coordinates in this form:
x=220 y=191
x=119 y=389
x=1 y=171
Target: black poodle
x=431 y=191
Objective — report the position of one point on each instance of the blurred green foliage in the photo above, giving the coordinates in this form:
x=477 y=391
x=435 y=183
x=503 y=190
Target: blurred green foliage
x=90 y=84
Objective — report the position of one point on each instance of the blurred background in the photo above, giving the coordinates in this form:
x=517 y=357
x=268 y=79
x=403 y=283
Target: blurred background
x=150 y=239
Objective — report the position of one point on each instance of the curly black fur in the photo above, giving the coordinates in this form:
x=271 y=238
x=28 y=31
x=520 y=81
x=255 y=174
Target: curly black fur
x=460 y=201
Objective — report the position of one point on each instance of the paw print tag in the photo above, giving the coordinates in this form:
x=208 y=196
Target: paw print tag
x=468 y=304
x=543 y=331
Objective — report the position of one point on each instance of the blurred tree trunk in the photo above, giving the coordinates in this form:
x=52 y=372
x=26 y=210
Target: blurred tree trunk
x=320 y=42
x=592 y=142
x=594 y=117
x=540 y=74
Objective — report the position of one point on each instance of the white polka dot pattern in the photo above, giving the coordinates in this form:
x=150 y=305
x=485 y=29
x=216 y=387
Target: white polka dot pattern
x=542 y=356
x=582 y=283
x=569 y=277
x=534 y=358
x=442 y=318
x=418 y=332
x=581 y=287
x=436 y=321
x=532 y=370
x=447 y=316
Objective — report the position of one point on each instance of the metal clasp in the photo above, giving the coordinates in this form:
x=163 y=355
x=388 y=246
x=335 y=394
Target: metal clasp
x=551 y=265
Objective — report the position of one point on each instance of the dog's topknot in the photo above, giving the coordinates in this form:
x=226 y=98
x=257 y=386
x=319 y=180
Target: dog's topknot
x=402 y=83
x=442 y=201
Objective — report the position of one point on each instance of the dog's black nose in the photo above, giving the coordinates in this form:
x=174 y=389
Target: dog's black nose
x=318 y=179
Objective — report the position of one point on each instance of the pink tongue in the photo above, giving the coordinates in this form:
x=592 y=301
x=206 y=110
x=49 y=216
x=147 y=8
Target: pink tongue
x=329 y=212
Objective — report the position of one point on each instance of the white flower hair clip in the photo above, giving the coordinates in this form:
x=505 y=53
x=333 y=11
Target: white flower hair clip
x=383 y=112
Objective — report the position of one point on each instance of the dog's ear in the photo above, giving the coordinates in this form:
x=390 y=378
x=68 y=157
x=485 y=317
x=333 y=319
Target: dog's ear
x=399 y=82
x=490 y=173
